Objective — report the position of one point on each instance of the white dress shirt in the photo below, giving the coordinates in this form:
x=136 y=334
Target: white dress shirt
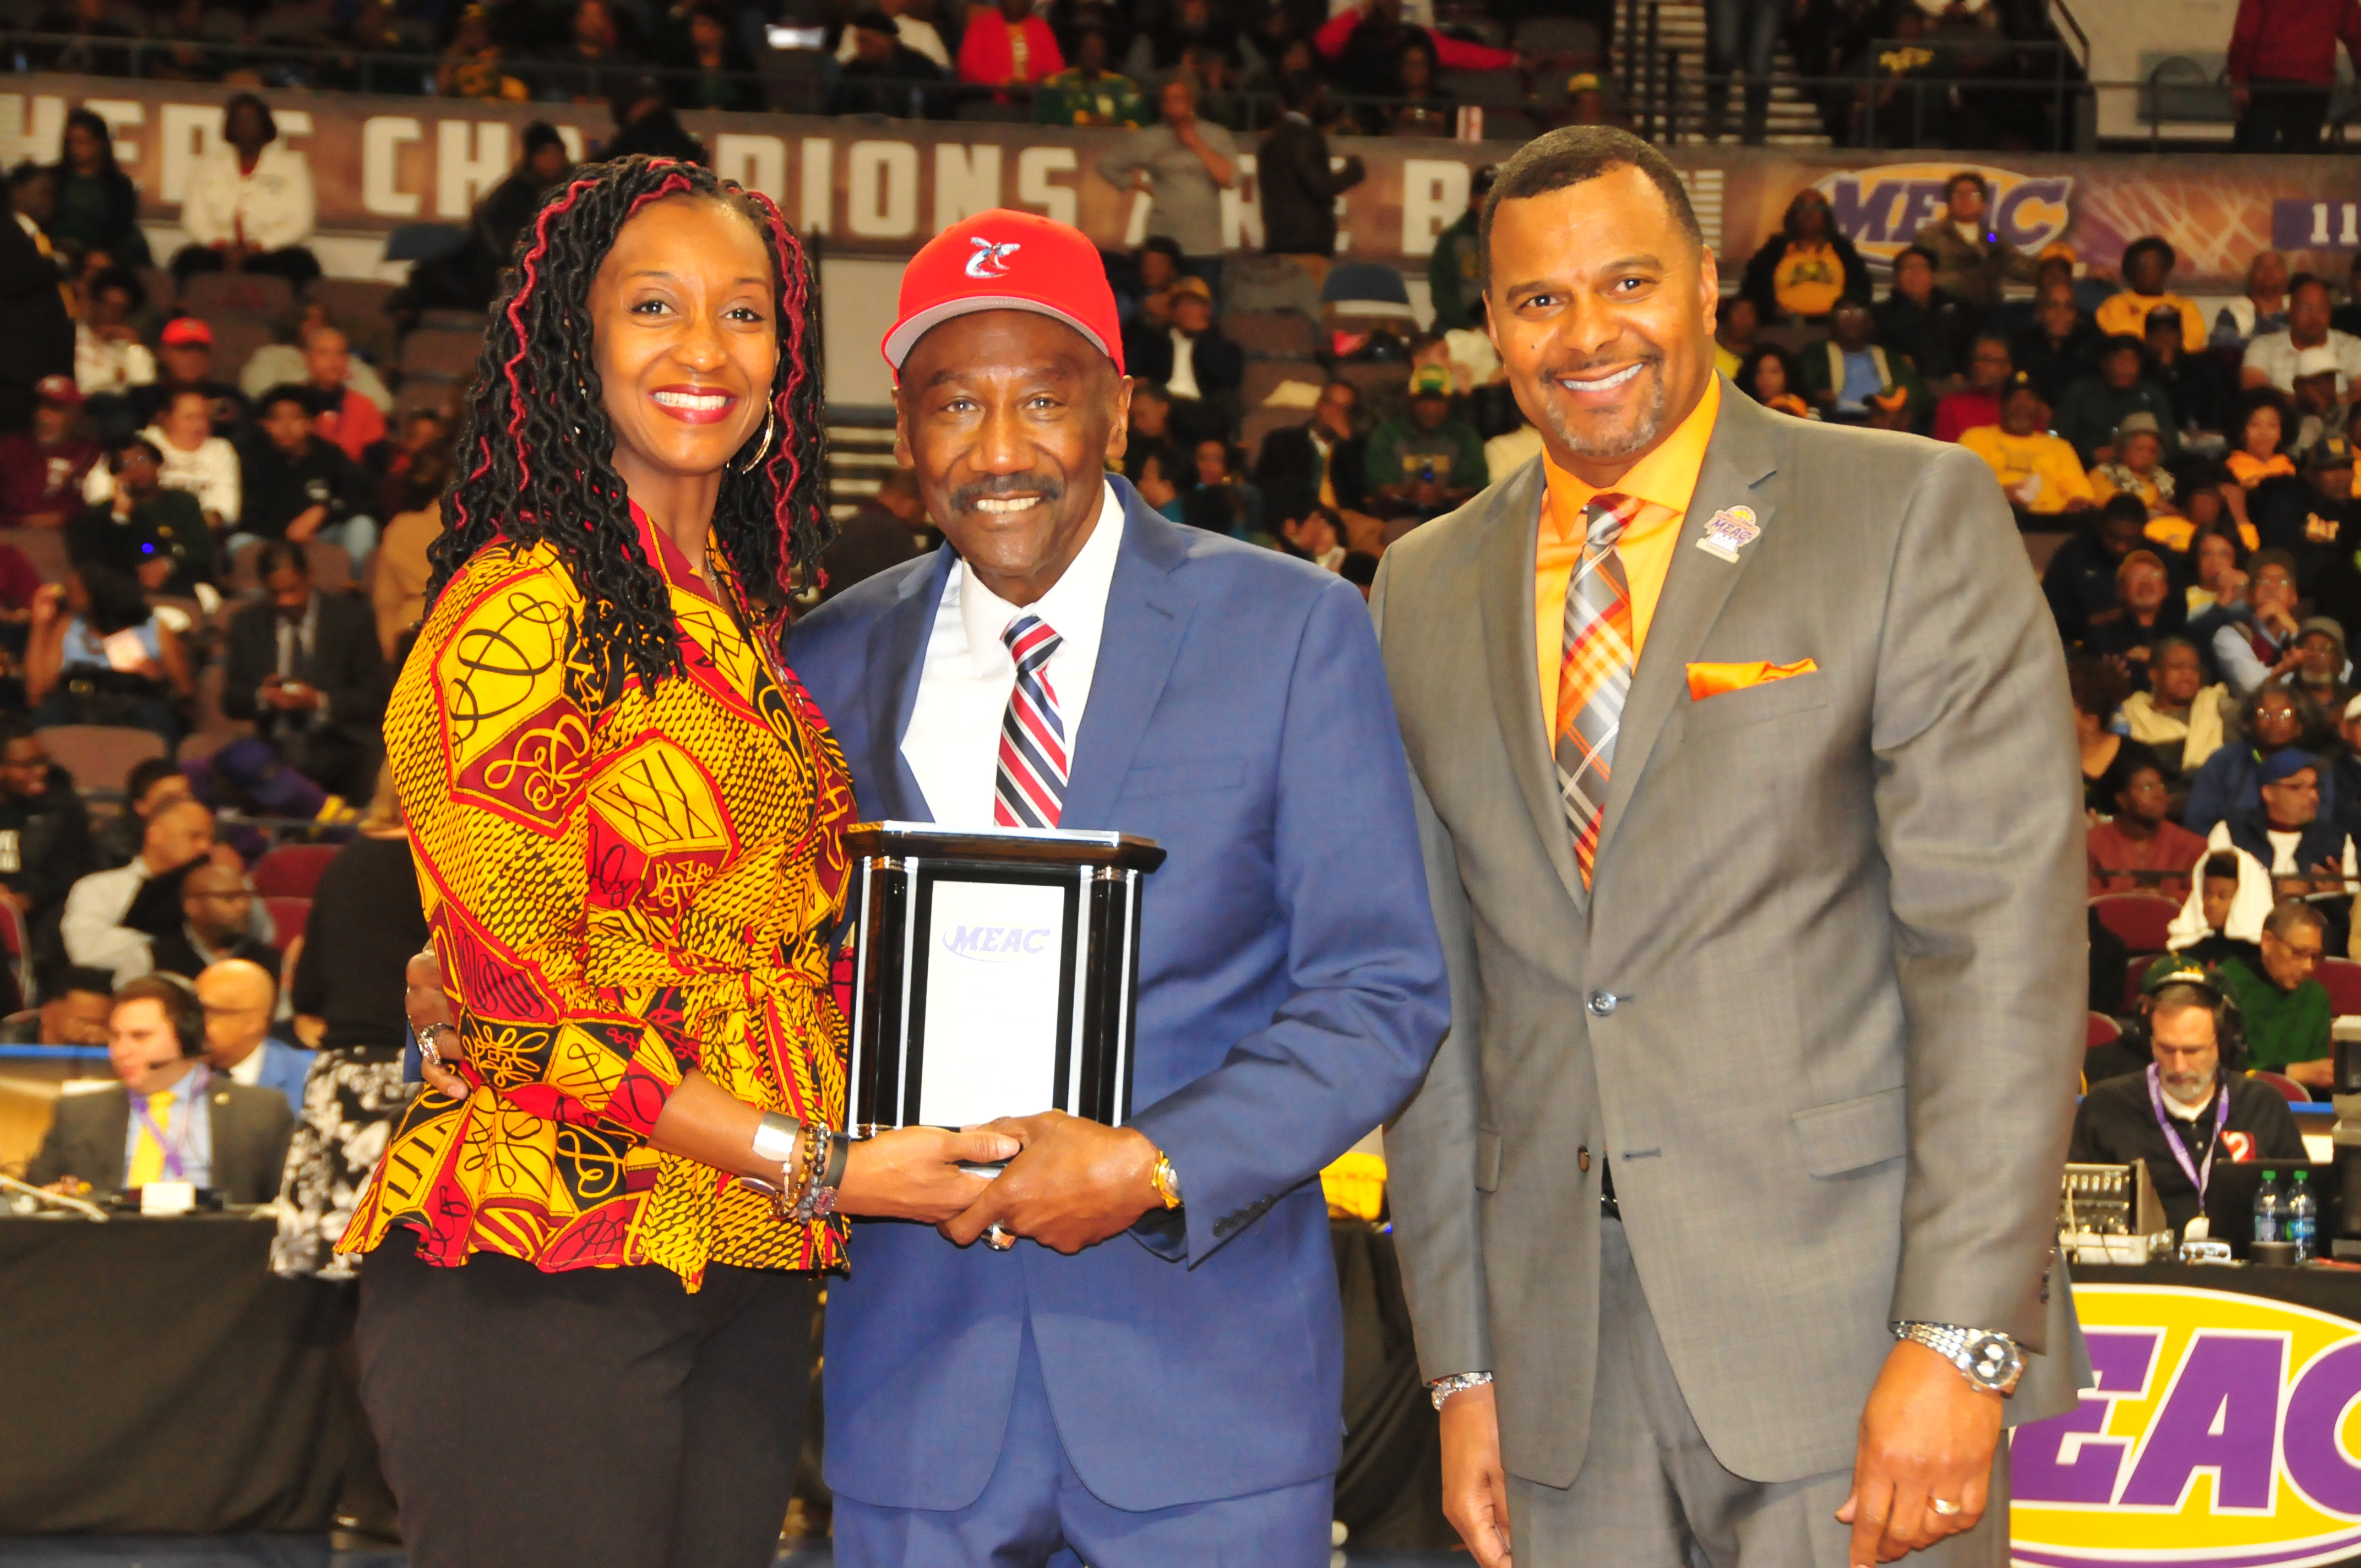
x=1182 y=381
x=953 y=741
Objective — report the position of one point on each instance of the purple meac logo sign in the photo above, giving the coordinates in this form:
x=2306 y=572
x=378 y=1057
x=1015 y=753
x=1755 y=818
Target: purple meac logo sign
x=2223 y=1433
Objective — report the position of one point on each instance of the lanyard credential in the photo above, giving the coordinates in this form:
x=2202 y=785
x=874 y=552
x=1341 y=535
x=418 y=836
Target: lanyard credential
x=2198 y=1176
x=177 y=1143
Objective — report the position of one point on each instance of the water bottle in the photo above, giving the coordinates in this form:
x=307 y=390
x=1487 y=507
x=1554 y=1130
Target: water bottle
x=2303 y=1224
x=2270 y=1208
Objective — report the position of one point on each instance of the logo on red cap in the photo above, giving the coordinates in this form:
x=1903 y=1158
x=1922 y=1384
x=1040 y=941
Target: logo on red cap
x=991 y=261
x=1007 y=261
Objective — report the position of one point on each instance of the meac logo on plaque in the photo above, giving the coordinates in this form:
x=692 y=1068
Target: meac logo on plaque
x=2225 y=1430
x=998 y=943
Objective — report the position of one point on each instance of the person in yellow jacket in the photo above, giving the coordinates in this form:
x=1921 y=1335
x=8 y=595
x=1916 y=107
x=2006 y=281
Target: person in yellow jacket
x=2147 y=262
x=2038 y=470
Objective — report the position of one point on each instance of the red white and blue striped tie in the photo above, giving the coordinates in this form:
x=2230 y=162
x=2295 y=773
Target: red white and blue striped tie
x=1030 y=790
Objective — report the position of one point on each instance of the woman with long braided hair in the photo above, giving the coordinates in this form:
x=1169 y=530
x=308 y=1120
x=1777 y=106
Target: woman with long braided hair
x=591 y=1244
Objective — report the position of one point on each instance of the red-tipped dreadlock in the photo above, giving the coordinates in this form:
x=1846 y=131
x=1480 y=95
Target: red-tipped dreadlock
x=542 y=445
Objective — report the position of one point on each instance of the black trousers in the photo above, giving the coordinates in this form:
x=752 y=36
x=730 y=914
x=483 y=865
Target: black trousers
x=602 y=1417
x=2282 y=116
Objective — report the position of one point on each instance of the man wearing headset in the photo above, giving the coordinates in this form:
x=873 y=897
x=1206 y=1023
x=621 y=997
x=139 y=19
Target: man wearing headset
x=171 y=1118
x=2194 y=1106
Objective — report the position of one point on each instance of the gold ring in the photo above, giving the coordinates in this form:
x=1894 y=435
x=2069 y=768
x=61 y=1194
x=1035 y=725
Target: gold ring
x=1944 y=1509
x=997 y=1237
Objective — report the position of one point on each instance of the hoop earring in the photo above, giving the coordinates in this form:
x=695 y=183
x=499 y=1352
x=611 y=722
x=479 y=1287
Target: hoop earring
x=770 y=425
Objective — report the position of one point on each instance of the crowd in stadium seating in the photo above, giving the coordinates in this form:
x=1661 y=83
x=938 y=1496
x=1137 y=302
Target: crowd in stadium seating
x=2185 y=477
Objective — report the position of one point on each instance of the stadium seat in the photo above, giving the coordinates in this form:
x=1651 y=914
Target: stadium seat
x=421 y=390
x=357 y=307
x=288 y=918
x=44 y=547
x=2342 y=978
x=438 y=352
x=2098 y=1029
x=331 y=566
x=1487 y=88
x=1265 y=376
x=236 y=335
x=2291 y=1091
x=1272 y=335
x=1260 y=423
x=243 y=580
x=1384 y=382
x=1508 y=124
x=208 y=294
x=100 y=756
x=2141 y=919
x=291 y=870
x=2133 y=973
x=16 y=944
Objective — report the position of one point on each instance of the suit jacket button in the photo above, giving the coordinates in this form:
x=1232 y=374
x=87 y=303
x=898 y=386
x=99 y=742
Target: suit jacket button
x=1602 y=1003
x=1582 y=1160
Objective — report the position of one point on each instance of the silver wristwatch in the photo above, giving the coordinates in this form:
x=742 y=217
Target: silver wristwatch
x=1988 y=1361
x=1442 y=1389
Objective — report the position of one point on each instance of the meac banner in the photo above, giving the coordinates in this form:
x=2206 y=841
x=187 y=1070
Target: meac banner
x=2224 y=1433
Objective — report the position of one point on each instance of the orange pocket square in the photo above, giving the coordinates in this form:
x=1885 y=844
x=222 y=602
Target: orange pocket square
x=1712 y=680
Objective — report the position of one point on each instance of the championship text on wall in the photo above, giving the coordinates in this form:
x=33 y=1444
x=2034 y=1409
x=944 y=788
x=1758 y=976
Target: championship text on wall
x=882 y=187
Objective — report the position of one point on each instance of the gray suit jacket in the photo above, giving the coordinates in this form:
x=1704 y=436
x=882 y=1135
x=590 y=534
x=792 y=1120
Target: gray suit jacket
x=1823 y=1004
x=250 y=1130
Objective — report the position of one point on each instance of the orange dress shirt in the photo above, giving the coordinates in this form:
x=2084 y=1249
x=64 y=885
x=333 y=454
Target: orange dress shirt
x=1666 y=477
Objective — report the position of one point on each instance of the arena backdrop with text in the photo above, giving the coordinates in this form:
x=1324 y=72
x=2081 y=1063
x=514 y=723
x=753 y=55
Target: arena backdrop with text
x=882 y=187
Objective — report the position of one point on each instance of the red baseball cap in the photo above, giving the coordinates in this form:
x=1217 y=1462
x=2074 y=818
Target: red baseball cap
x=57 y=390
x=186 y=329
x=1004 y=260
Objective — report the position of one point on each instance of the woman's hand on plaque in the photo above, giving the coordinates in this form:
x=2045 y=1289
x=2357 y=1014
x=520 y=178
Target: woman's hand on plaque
x=1076 y=1183
x=913 y=1173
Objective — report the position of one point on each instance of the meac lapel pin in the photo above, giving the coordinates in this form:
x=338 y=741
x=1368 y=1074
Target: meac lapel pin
x=1729 y=530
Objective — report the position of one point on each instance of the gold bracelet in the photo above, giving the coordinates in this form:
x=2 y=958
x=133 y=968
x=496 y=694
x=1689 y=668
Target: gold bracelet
x=1165 y=1180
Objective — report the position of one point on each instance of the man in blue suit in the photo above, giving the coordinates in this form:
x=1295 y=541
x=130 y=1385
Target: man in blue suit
x=1170 y=1395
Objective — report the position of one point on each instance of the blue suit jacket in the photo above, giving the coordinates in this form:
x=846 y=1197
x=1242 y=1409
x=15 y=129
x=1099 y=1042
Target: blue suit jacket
x=286 y=1068
x=1292 y=992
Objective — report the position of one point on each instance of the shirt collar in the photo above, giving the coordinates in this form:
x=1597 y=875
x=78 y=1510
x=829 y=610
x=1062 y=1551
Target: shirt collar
x=249 y=1071
x=1075 y=608
x=666 y=557
x=1666 y=476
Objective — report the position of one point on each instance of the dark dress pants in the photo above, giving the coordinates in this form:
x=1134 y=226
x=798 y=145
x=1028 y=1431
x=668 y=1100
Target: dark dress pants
x=2282 y=116
x=600 y=1418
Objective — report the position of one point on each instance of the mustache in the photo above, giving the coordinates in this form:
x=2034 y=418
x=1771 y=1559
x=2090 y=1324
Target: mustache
x=1642 y=354
x=1048 y=486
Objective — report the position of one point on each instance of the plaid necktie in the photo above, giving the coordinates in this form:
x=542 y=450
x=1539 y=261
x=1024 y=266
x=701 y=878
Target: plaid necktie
x=1030 y=788
x=1596 y=672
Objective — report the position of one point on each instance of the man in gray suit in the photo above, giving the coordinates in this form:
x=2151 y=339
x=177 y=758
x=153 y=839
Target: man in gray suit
x=1725 y=1211
x=187 y=1125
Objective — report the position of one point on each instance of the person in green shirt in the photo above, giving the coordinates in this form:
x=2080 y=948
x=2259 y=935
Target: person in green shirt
x=1089 y=94
x=1423 y=463
x=1454 y=273
x=2286 y=1010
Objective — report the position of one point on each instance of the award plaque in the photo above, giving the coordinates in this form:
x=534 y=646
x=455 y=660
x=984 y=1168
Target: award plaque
x=993 y=974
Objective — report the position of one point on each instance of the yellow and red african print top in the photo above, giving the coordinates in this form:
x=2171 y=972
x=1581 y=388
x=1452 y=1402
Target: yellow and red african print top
x=620 y=888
